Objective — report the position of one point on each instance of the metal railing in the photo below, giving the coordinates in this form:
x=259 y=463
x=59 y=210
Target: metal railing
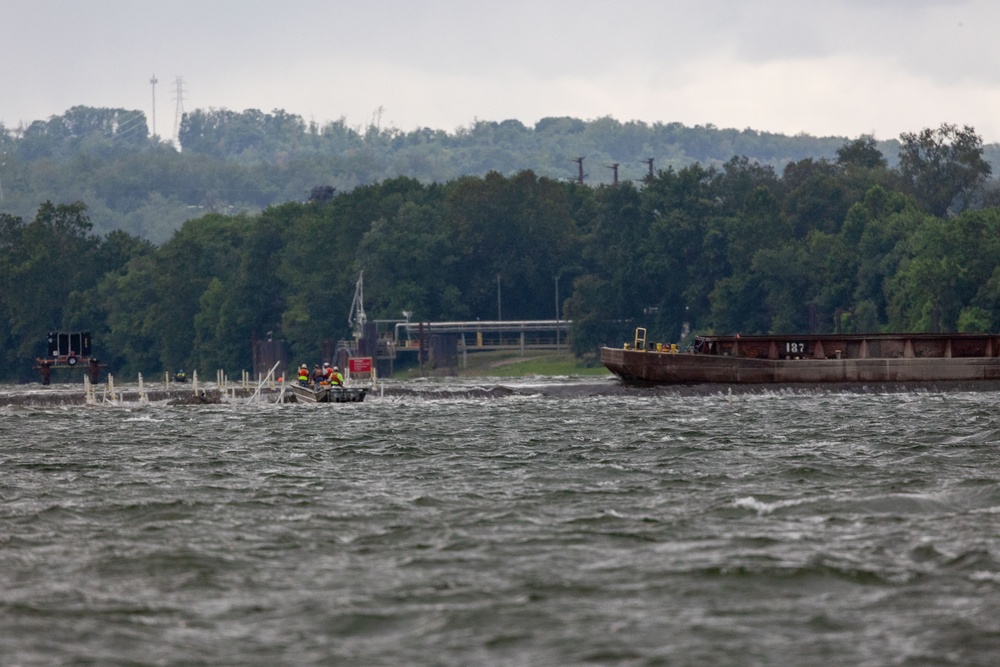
x=478 y=326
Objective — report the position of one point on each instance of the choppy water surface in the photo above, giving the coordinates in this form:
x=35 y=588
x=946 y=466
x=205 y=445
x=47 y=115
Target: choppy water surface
x=565 y=527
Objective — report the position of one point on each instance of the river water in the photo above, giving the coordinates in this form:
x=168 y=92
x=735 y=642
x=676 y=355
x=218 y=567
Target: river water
x=531 y=522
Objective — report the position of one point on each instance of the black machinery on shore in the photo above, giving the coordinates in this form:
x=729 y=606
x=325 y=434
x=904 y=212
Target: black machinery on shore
x=69 y=351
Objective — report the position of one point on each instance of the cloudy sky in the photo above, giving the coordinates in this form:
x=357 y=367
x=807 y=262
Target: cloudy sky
x=833 y=67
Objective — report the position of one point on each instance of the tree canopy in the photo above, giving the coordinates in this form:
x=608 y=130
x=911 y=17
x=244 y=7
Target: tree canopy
x=845 y=243
x=943 y=168
x=245 y=161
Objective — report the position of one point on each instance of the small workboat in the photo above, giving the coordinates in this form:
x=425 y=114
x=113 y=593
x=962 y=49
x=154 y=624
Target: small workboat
x=324 y=393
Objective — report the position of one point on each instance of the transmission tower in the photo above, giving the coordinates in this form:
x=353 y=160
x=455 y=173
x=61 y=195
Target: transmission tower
x=153 y=81
x=179 y=96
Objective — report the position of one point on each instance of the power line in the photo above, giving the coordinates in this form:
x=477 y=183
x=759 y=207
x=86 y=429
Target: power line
x=129 y=125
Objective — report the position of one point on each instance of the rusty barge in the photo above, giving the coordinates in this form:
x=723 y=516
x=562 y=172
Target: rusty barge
x=818 y=359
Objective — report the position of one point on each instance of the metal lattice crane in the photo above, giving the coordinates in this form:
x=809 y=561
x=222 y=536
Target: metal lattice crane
x=357 y=318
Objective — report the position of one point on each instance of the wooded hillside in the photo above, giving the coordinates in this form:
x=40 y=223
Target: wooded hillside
x=242 y=162
x=848 y=242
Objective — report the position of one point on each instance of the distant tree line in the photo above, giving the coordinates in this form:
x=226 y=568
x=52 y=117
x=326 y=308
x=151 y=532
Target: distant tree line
x=848 y=243
x=231 y=162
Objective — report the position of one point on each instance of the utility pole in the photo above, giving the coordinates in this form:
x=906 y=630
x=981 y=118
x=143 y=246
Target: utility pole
x=179 y=96
x=153 y=81
x=615 y=167
x=649 y=161
x=579 y=161
x=558 y=276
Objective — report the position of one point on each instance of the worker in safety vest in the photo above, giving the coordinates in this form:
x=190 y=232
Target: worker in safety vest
x=333 y=375
x=304 y=375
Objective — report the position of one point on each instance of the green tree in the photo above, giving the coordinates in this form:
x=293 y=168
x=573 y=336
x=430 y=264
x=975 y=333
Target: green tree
x=49 y=272
x=49 y=258
x=832 y=271
x=203 y=249
x=131 y=341
x=946 y=266
x=944 y=168
x=409 y=266
x=783 y=274
x=319 y=260
x=817 y=196
x=683 y=252
x=611 y=292
x=862 y=153
x=517 y=228
x=873 y=233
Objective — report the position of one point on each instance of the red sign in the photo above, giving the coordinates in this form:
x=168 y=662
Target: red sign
x=360 y=365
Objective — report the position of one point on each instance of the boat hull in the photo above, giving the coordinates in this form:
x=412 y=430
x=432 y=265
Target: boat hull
x=307 y=394
x=751 y=361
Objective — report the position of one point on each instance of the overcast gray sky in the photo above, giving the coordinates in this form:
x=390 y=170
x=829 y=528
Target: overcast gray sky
x=834 y=67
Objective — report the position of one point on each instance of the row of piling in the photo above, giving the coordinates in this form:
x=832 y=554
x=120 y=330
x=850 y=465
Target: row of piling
x=95 y=394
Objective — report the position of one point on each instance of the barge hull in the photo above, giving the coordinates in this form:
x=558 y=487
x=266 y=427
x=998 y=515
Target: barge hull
x=732 y=360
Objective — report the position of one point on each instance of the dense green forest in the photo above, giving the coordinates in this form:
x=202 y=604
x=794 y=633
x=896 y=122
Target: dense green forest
x=243 y=162
x=852 y=241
